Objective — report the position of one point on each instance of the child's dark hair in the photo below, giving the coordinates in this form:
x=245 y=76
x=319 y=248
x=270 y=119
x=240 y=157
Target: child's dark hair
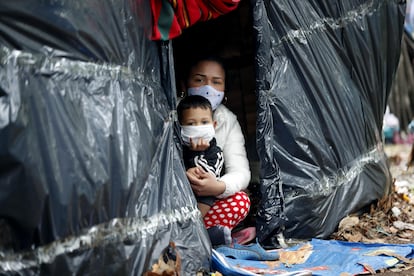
x=194 y=101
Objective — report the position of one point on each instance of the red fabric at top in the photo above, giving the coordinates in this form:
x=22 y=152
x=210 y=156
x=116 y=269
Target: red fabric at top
x=170 y=17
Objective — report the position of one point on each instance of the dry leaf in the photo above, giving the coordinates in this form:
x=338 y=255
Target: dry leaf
x=296 y=257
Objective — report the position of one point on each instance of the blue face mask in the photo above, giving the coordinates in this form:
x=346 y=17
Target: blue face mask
x=214 y=96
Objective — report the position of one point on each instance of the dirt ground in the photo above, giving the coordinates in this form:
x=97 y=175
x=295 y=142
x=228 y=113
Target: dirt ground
x=391 y=220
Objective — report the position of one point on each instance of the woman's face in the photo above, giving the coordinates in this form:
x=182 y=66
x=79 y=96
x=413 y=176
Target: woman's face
x=207 y=73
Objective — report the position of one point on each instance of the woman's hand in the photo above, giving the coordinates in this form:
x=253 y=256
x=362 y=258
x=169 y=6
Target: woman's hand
x=204 y=183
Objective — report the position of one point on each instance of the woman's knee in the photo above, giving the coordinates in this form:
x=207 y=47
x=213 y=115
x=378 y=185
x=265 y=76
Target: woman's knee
x=228 y=211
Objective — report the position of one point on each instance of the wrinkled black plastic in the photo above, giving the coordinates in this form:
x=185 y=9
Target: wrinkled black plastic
x=91 y=180
x=90 y=175
x=324 y=71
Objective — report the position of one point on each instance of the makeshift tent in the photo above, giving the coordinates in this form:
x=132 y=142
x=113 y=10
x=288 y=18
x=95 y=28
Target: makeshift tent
x=324 y=73
x=91 y=176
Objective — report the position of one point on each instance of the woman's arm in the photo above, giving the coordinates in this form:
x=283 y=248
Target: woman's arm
x=231 y=140
x=203 y=176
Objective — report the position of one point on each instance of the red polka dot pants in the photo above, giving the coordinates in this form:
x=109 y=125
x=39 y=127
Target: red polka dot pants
x=228 y=211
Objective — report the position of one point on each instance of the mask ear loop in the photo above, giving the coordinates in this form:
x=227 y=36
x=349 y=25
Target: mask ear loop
x=225 y=100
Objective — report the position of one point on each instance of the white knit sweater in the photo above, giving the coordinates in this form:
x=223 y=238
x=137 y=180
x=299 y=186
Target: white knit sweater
x=230 y=139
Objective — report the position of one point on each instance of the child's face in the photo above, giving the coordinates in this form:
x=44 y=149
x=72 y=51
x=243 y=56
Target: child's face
x=197 y=117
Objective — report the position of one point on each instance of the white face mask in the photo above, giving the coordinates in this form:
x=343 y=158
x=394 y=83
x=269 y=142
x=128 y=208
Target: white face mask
x=214 y=96
x=206 y=132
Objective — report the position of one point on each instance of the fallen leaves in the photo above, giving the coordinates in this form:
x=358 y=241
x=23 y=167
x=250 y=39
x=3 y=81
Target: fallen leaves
x=296 y=257
x=169 y=263
x=391 y=219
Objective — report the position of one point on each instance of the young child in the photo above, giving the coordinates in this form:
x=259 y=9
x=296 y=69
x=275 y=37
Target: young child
x=200 y=147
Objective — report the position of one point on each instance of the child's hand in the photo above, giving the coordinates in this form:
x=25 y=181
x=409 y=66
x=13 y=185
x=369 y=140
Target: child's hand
x=194 y=172
x=200 y=145
x=204 y=183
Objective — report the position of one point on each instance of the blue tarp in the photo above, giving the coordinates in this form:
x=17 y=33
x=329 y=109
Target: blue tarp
x=327 y=258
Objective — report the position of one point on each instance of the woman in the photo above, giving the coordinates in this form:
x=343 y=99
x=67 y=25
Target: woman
x=207 y=78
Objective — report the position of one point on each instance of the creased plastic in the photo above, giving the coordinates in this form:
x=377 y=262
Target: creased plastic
x=91 y=180
x=324 y=71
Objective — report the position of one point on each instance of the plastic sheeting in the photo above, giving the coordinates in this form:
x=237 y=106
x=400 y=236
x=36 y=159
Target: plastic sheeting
x=324 y=71
x=91 y=182
x=321 y=258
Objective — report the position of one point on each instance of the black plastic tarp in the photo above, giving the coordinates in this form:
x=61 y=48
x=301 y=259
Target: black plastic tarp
x=324 y=71
x=90 y=171
x=91 y=180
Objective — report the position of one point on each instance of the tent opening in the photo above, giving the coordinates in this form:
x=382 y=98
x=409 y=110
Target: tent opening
x=230 y=37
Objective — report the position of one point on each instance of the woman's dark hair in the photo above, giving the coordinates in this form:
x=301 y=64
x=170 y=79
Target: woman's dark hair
x=194 y=101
